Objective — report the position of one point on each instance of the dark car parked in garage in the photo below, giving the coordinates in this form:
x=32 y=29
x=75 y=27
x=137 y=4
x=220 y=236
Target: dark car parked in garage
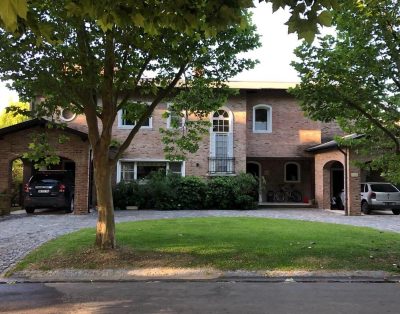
x=50 y=188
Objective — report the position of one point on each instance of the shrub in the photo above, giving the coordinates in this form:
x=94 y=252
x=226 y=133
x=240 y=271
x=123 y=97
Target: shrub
x=160 y=190
x=191 y=193
x=171 y=191
x=126 y=193
x=245 y=189
x=220 y=193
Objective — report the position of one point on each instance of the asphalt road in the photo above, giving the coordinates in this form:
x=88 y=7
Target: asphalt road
x=200 y=297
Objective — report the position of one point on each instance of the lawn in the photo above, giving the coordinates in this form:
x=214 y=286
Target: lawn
x=226 y=244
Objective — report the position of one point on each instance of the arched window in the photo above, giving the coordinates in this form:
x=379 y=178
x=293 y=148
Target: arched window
x=221 y=121
x=262 y=119
x=292 y=172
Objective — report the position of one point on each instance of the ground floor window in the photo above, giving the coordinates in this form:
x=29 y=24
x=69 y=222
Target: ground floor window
x=292 y=172
x=128 y=170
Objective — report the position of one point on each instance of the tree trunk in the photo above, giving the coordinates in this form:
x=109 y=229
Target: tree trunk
x=105 y=233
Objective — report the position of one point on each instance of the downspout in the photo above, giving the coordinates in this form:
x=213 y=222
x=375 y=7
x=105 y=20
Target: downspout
x=346 y=209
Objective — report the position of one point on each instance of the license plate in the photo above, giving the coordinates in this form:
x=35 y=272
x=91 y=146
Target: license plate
x=43 y=191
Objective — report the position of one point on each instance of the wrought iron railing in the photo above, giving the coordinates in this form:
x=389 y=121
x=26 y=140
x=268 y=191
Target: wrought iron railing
x=221 y=165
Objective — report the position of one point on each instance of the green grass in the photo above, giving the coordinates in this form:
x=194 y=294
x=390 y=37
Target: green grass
x=226 y=244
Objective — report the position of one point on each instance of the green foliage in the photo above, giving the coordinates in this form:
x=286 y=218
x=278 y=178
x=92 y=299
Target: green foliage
x=236 y=192
x=172 y=191
x=353 y=78
x=10 y=11
x=15 y=113
x=41 y=152
x=126 y=194
x=191 y=192
x=153 y=17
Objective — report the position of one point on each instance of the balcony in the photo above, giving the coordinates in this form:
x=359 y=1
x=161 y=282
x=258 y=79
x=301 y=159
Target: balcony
x=221 y=165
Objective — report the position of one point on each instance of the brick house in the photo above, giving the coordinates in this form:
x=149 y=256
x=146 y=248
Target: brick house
x=261 y=130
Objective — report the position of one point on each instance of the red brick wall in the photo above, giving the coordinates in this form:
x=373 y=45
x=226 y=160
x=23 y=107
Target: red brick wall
x=287 y=122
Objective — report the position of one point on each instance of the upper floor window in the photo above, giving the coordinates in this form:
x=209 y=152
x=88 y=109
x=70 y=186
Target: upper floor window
x=292 y=172
x=262 y=119
x=125 y=123
x=174 y=120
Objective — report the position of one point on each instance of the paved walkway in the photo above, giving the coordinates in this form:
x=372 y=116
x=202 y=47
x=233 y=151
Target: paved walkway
x=21 y=233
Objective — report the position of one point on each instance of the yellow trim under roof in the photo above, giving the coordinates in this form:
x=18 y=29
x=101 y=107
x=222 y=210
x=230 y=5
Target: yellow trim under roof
x=260 y=85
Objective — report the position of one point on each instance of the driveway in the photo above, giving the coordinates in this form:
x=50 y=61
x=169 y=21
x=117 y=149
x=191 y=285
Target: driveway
x=21 y=233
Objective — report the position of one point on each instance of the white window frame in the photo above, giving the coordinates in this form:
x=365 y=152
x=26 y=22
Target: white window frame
x=169 y=119
x=136 y=161
x=298 y=172
x=269 y=122
x=131 y=126
x=229 y=134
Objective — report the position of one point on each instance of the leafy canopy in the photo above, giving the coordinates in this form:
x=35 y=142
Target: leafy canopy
x=182 y=15
x=354 y=78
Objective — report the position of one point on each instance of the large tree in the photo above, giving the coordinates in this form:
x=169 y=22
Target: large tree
x=354 y=78
x=78 y=61
x=93 y=56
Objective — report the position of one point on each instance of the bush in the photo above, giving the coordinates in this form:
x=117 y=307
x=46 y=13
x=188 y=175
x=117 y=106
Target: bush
x=191 y=193
x=220 y=193
x=126 y=193
x=171 y=191
x=160 y=190
x=238 y=192
x=245 y=189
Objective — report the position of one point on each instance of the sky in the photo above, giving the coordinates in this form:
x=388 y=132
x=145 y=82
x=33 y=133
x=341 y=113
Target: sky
x=275 y=54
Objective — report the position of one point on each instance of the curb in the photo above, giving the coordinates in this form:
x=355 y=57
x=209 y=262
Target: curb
x=197 y=275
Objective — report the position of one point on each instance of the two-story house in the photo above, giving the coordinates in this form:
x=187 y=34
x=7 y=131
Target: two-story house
x=261 y=130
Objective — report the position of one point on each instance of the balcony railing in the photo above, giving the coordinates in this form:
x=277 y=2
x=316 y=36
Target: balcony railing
x=221 y=165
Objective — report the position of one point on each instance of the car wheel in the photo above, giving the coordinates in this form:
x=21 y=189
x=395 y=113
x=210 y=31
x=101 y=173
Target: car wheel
x=365 y=208
x=71 y=207
x=29 y=210
x=396 y=211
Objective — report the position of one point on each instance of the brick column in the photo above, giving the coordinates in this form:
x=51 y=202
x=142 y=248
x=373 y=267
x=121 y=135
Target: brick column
x=81 y=188
x=353 y=185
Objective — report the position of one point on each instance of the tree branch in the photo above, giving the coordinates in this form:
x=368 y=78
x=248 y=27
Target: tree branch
x=374 y=122
x=161 y=95
x=137 y=79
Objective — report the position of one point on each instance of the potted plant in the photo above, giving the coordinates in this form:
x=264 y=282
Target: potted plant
x=5 y=203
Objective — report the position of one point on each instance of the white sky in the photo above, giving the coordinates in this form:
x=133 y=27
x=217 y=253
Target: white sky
x=275 y=54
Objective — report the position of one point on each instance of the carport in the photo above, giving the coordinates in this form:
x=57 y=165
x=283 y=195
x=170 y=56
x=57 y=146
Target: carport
x=14 y=141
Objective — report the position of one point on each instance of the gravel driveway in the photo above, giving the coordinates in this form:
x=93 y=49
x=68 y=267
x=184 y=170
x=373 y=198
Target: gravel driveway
x=21 y=233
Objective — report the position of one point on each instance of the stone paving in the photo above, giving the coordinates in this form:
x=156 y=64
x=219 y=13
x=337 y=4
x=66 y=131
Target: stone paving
x=21 y=233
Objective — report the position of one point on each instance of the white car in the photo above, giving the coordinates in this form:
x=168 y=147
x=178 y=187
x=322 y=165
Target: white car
x=379 y=195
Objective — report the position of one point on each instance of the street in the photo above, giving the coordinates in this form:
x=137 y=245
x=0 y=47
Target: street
x=200 y=297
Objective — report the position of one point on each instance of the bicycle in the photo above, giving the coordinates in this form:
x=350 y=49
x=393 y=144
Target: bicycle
x=287 y=194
